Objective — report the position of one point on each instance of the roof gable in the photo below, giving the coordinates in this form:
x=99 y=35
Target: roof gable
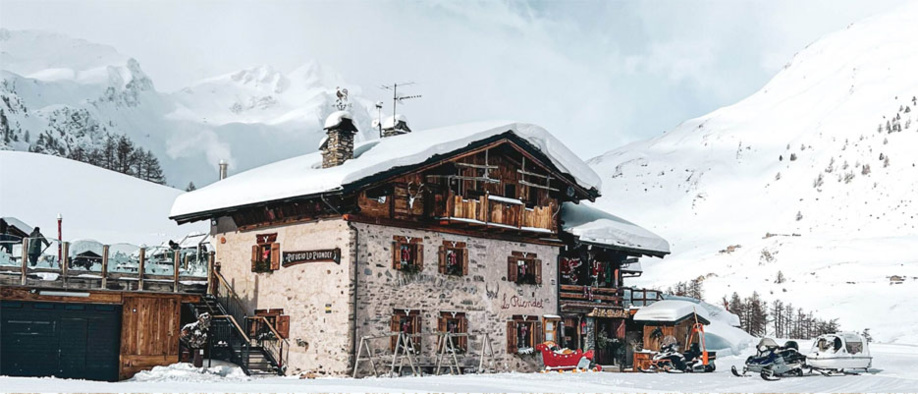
x=377 y=159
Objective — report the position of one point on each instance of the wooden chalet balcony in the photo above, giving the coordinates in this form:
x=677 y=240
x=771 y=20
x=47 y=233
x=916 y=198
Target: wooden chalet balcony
x=575 y=296
x=499 y=212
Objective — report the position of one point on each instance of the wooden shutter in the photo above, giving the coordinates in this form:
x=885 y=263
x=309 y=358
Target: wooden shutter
x=511 y=337
x=537 y=334
x=275 y=256
x=393 y=324
x=396 y=259
x=254 y=256
x=441 y=324
x=464 y=329
x=416 y=329
x=441 y=255
x=283 y=326
x=538 y=271
x=419 y=256
x=511 y=269
x=465 y=261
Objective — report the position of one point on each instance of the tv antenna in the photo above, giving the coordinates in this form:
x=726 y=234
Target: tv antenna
x=396 y=99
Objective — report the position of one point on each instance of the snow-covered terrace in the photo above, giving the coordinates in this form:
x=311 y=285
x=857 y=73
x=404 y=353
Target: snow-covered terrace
x=594 y=226
x=304 y=176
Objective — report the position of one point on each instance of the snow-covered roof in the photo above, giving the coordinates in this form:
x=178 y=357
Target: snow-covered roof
x=13 y=222
x=595 y=226
x=671 y=311
x=336 y=117
x=304 y=175
x=392 y=121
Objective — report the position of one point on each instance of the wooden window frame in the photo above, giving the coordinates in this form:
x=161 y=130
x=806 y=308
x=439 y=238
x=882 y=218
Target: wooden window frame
x=266 y=253
x=396 y=324
x=415 y=249
x=533 y=269
x=460 y=251
x=461 y=322
x=533 y=332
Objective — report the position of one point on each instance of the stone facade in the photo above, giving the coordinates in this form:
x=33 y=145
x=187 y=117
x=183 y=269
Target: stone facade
x=338 y=148
x=485 y=295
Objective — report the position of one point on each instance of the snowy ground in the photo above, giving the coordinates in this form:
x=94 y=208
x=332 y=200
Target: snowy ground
x=895 y=371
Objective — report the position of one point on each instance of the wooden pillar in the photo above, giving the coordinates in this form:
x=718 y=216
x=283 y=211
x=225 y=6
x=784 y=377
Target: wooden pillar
x=176 y=260
x=210 y=272
x=104 y=266
x=141 y=268
x=65 y=262
x=25 y=261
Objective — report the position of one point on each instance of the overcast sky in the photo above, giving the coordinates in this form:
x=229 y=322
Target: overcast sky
x=598 y=74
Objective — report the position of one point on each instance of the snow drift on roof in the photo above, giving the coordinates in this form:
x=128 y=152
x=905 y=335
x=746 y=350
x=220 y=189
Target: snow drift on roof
x=390 y=122
x=303 y=175
x=336 y=117
x=14 y=222
x=670 y=311
x=593 y=225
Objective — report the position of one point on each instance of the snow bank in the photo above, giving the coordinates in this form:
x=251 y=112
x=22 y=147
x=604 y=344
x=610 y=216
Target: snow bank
x=593 y=225
x=303 y=175
x=220 y=371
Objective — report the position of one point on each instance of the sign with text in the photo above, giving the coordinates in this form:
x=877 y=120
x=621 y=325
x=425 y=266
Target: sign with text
x=312 y=256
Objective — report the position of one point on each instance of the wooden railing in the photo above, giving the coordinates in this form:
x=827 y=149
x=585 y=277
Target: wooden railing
x=590 y=297
x=277 y=346
x=501 y=212
x=63 y=274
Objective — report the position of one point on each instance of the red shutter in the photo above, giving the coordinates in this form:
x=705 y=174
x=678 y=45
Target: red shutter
x=441 y=255
x=538 y=271
x=396 y=260
x=283 y=325
x=254 y=256
x=465 y=261
x=511 y=337
x=419 y=257
x=275 y=256
x=511 y=269
x=393 y=324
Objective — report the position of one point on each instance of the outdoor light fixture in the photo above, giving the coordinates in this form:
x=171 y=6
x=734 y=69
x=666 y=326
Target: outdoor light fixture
x=62 y=293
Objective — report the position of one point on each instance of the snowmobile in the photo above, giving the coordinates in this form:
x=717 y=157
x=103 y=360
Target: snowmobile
x=669 y=359
x=839 y=353
x=772 y=361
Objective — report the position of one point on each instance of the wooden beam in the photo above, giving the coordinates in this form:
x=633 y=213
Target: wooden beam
x=32 y=294
x=23 y=272
x=65 y=263
x=104 y=266
x=141 y=268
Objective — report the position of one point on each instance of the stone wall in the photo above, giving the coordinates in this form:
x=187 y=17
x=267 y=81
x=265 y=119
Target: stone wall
x=484 y=295
x=303 y=290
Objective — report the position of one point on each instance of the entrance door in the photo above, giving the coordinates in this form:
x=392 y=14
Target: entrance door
x=610 y=336
x=64 y=340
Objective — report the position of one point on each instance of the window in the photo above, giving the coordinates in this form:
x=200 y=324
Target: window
x=523 y=333
x=265 y=253
x=408 y=322
x=509 y=190
x=524 y=268
x=454 y=323
x=408 y=254
x=454 y=258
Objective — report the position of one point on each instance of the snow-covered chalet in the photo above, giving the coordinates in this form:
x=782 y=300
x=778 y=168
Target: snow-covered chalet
x=362 y=251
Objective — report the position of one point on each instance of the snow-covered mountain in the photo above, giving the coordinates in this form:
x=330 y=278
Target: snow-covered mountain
x=76 y=93
x=95 y=203
x=814 y=175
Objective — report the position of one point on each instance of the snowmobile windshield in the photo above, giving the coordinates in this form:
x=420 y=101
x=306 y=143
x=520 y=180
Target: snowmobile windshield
x=854 y=347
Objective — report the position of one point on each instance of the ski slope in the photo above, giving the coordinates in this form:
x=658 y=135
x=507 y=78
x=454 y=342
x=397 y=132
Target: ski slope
x=802 y=177
x=95 y=203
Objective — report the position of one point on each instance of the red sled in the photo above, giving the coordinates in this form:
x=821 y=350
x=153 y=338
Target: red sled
x=556 y=361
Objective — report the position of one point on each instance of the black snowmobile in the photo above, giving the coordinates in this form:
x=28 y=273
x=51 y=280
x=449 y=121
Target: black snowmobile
x=772 y=362
x=669 y=359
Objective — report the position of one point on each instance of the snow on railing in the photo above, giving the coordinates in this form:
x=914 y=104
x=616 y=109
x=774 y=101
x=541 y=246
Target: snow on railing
x=90 y=264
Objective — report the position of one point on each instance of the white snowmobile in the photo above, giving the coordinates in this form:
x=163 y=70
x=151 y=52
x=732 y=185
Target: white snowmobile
x=772 y=361
x=839 y=353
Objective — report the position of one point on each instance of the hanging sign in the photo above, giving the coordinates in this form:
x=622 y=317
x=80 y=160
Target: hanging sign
x=312 y=256
x=609 y=313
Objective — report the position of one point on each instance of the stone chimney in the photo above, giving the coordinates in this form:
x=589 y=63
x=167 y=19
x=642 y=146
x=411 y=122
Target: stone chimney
x=338 y=145
x=395 y=125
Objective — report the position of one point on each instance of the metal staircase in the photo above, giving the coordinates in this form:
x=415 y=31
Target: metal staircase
x=264 y=355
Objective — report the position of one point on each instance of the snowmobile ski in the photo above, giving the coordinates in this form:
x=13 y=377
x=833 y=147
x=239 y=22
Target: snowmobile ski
x=736 y=373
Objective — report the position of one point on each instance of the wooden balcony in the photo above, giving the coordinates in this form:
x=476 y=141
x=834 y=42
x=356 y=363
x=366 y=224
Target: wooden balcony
x=587 y=297
x=500 y=213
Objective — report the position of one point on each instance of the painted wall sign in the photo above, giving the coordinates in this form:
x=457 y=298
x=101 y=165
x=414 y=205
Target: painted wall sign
x=265 y=238
x=312 y=256
x=609 y=313
x=517 y=302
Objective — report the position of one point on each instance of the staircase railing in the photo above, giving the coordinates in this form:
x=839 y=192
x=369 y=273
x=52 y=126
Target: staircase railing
x=277 y=347
x=228 y=334
x=274 y=343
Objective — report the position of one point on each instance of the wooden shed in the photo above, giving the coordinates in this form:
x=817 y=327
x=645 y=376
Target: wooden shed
x=669 y=317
